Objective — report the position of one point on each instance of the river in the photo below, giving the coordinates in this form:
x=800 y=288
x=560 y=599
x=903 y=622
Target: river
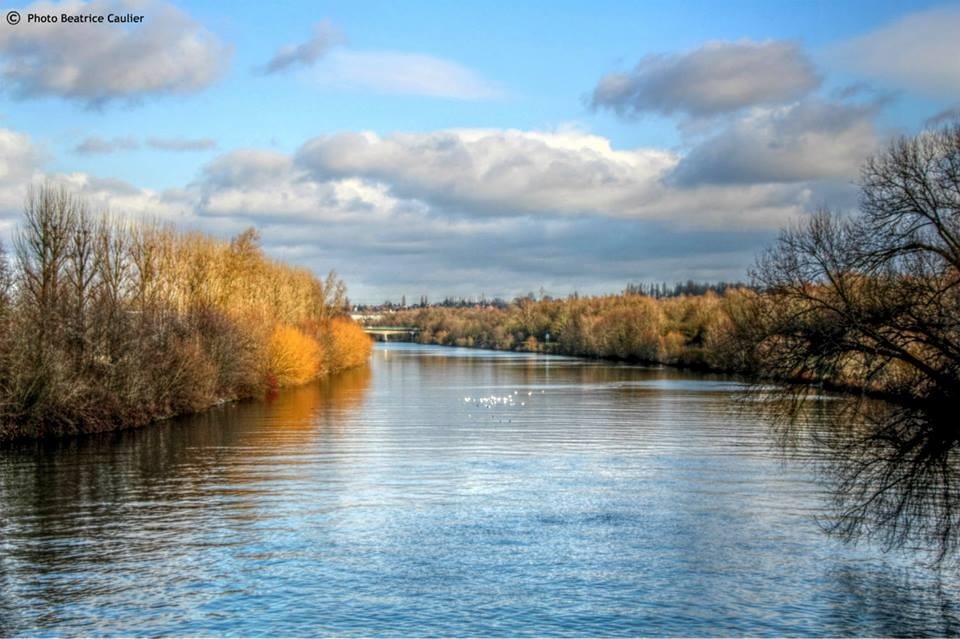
x=453 y=492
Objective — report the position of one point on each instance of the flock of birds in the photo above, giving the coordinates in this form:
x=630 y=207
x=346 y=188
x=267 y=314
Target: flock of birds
x=493 y=401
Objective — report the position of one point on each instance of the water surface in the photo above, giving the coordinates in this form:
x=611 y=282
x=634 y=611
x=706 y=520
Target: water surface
x=451 y=492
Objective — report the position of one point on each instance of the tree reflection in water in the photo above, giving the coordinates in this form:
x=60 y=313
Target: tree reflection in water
x=134 y=498
x=893 y=469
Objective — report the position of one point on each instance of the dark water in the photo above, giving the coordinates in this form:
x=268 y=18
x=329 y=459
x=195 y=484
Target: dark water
x=596 y=500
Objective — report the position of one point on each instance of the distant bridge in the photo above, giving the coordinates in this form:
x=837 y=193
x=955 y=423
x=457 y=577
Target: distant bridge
x=399 y=333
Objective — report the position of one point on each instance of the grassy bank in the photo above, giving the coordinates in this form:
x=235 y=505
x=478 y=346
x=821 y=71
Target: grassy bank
x=108 y=324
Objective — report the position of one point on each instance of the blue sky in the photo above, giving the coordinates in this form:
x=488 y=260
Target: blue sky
x=459 y=148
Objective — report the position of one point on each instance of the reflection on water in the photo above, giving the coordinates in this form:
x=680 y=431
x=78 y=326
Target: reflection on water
x=599 y=500
x=119 y=516
x=894 y=470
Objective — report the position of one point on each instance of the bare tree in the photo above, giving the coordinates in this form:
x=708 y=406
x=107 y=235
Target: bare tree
x=871 y=302
x=81 y=273
x=43 y=248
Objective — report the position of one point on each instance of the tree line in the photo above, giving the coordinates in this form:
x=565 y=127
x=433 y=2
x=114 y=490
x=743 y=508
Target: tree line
x=690 y=287
x=657 y=290
x=686 y=330
x=108 y=323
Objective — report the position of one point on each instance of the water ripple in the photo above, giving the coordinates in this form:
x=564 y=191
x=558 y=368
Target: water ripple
x=448 y=492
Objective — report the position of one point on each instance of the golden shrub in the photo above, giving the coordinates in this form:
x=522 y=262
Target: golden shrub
x=349 y=346
x=293 y=357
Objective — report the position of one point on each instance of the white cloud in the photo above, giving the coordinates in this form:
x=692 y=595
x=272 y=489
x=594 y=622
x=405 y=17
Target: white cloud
x=918 y=51
x=510 y=173
x=403 y=73
x=119 y=197
x=247 y=169
x=169 y=53
x=495 y=172
x=21 y=163
x=811 y=140
x=717 y=78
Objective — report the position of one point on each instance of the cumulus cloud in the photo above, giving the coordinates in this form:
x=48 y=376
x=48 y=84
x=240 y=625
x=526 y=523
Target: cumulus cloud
x=717 y=78
x=168 y=53
x=268 y=185
x=21 y=163
x=495 y=172
x=247 y=169
x=810 y=140
x=918 y=51
x=123 y=198
x=389 y=231
x=383 y=244
x=19 y=156
x=510 y=173
x=404 y=73
x=324 y=37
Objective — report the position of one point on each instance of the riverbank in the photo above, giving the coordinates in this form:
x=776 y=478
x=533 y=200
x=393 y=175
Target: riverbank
x=697 y=332
x=713 y=332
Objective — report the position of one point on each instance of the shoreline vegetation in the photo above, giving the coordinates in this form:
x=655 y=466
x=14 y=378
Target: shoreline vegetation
x=107 y=323
x=867 y=303
x=687 y=331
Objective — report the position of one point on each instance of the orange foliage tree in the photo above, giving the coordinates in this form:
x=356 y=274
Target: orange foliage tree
x=106 y=324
